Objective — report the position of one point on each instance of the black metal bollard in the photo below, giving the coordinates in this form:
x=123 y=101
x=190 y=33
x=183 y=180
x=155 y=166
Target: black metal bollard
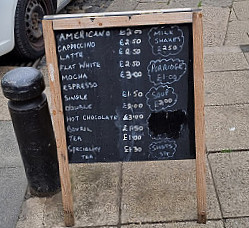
x=29 y=111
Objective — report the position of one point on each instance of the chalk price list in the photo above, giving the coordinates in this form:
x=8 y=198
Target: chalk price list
x=112 y=82
x=79 y=77
x=130 y=52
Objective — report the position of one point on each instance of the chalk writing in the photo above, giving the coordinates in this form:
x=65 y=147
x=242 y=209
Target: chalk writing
x=133 y=149
x=82 y=34
x=81 y=107
x=126 y=92
x=80 y=86
x=164 y=149
x=166 y=40
x=133 y=106
x=130 y=75
x=99 y=117
x=71 y=129
x=161 y=98
x=76 y=46
x=166 y=71
x=74 y=149
x=69 y=77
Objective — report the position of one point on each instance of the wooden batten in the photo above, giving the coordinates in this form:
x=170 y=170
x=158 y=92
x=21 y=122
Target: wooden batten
x=122 y=21
x=199 y=116
x=58 y=121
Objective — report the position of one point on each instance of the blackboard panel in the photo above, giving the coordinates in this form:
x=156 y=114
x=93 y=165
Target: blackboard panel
x=128 y=93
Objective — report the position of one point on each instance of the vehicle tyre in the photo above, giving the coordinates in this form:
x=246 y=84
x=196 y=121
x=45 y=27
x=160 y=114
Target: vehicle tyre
x=29 y=42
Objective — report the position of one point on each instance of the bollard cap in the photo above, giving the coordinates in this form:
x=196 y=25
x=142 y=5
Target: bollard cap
x=23 y=83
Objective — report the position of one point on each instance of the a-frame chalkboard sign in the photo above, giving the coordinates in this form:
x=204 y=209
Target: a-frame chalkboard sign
x=127 y=87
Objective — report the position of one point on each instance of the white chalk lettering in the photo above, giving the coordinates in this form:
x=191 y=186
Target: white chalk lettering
x=127 y=137
x=71 y=129
x=67 y=67
x=87 y=65
x=99 y=117
x=87 y=156
x=72 y=56
x=75 y=138
x=80 y=107
x=69 y=77
x=135 y=149
x=72 y=118
x=75 y=97
x=76 y=46
x=74 y=149
x=83 y=34
x=83 y=85
x=164 y=67
x=133 y=128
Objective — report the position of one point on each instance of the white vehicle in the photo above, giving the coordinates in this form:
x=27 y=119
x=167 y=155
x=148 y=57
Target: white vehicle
x=21 y=25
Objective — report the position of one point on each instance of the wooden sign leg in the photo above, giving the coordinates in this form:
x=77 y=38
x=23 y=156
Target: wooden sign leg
x=199 y=117
x=58 y=121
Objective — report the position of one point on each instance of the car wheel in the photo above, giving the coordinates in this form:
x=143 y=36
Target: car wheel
x=29 y=42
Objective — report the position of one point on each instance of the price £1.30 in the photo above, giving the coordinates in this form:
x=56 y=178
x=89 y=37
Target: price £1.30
x=135 y=149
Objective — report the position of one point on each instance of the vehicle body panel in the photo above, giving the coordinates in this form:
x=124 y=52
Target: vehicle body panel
x=7 y=22
x=61 y=4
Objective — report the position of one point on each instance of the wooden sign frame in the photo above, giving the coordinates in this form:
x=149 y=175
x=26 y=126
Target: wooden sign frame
x=125 y=19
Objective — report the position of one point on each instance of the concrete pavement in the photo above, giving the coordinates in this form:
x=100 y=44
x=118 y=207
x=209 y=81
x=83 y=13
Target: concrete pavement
x=126 y=195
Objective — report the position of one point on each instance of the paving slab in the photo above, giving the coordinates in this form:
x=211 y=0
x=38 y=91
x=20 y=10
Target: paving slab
x=247 y=56
x=230 y=173
x=215 y=25
x=191 y=3
x=13 y=187
x=238 y=222
x=241 y=10
x=209 y=224
x=9 y=151
x=227 y=127
x=44 y=70
x=122 y=5
x=32 y=214
x=153 y=5
x=5 y=69
x=224 y=59
x=96 y=196
x=215 y=18
x=48 y=94
x=226 y=88
x=237 y=33
x=4 y=111
x=195 y=3
x=163 y=191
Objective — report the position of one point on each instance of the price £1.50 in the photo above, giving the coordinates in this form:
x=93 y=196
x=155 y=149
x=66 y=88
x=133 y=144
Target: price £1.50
x=135 y=93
